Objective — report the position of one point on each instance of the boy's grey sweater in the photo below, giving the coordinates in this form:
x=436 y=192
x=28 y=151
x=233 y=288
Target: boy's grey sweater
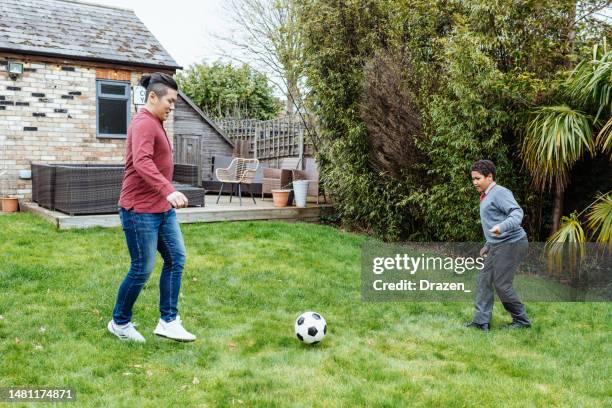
x=500 y=208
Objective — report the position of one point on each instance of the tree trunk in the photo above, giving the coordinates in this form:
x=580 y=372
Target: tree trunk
x=559 y=190
x=571 y=35
x=557 y=209
x=292 y=94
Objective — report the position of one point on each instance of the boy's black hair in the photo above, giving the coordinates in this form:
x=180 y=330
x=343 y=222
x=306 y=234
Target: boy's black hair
x=159 y=83
x=484 y=167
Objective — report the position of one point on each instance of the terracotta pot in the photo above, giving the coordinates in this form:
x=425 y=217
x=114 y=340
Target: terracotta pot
x=280 y=197
x=10 y=204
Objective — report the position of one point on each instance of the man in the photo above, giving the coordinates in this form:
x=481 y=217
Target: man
x=148 y=217
x=506 y=246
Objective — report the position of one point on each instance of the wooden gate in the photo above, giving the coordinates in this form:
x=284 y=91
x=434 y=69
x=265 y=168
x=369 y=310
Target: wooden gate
x=188 y=150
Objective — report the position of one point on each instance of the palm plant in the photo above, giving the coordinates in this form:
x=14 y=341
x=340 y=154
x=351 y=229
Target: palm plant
x=558 y=136
x=599 y=223
x=591 y=83
x=600 y=219
x=567 y=245
x=555 y=138
x=604 y=139
x=570 y=231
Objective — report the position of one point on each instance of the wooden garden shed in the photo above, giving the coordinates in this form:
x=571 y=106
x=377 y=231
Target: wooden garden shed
x=68 y=76
x=197 y=138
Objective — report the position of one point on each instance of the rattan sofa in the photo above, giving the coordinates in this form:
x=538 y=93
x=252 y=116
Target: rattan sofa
x=187 y=174
x=43 y=185
x=87 y=189
x=94 y=189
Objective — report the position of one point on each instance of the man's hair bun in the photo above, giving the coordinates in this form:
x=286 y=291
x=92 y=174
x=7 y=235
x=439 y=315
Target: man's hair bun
x=157 y=82
x=144 y=81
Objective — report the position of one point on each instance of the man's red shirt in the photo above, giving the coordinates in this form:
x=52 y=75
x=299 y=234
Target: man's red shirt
x=147 y=180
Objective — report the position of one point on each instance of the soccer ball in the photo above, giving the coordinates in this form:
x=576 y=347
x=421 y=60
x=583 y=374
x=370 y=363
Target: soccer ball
x=310 y=327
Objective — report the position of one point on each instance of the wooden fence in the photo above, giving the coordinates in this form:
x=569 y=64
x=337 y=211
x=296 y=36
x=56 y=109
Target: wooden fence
x=269 y=139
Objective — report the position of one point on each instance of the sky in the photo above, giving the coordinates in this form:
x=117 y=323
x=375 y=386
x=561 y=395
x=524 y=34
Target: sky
x=185 y=28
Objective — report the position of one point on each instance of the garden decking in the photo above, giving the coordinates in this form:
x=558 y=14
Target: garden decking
x=211 y=212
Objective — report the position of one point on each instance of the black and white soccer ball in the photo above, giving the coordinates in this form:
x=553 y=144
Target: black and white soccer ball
x=310 y=327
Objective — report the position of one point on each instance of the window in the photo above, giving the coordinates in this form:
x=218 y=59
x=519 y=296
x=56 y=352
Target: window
x=113 y=108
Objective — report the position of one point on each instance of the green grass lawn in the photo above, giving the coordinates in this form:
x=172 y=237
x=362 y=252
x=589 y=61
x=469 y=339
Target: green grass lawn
x=243 y=286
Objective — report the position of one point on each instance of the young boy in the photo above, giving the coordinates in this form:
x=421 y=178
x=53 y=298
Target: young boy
x=505 y=248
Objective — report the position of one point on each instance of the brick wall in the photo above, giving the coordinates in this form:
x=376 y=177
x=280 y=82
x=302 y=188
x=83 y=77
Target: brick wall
x=48 y=115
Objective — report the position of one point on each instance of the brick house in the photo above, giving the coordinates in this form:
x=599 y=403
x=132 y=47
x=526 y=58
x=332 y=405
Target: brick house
x=68 y=76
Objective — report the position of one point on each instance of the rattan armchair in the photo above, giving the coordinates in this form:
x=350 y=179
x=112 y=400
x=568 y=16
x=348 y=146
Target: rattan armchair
x=240 y=171
x=281 y=177
x=313 y=182
x=275 y=179
x=312 y=170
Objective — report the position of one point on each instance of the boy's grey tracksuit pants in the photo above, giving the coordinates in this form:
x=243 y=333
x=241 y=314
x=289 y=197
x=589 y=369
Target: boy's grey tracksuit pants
x=500 y=266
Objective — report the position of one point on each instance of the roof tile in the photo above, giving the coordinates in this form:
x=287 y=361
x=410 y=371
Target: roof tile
x=79 y=30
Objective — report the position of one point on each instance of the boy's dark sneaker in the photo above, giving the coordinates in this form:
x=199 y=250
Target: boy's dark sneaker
x=478 y=326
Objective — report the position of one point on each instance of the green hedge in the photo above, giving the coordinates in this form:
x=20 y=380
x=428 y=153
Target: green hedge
x=475 y=69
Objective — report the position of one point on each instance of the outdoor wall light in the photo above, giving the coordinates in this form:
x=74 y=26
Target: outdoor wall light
x=15 y=69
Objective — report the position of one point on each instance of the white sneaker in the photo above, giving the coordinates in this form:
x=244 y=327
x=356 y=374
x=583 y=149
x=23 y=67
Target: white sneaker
x=125 y=332
x=173 y=330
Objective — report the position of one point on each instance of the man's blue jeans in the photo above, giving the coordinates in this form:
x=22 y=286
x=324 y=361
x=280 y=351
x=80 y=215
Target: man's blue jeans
x=145 y=235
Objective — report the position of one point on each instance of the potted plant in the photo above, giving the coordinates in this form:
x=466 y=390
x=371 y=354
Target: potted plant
x=8 y=203
x=282 y=196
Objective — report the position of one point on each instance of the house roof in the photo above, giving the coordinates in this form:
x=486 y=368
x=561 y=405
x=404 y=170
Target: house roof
x=78 y=30
x=205 y=117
